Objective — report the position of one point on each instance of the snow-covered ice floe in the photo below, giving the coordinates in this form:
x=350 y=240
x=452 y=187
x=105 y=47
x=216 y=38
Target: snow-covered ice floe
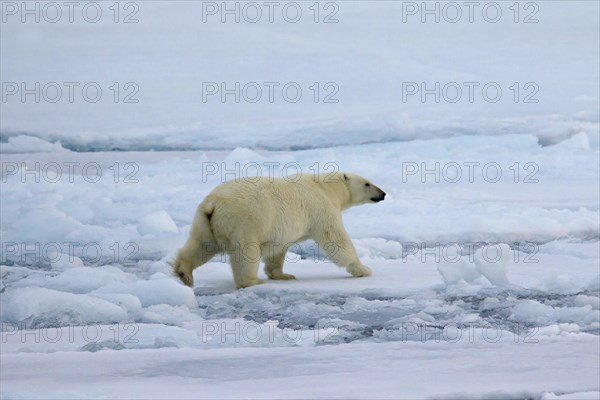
x=483 y=287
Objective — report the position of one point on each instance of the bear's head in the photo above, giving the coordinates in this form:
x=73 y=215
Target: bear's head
x=182 y=268
x=362 y=191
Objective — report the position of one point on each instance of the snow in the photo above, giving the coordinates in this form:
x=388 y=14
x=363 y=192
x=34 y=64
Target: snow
x=485 y=253
x=156 y=223
x=97 y=198
x=512 y=264
x=387 y=370
x=512 y=261
x=30 y=144
x=51 y=305
x=158 y=289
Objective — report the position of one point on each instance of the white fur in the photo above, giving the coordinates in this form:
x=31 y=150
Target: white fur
x=261 y=218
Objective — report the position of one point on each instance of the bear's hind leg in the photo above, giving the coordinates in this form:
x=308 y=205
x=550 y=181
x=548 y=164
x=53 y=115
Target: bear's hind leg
x=274 y=267
x=245 y=270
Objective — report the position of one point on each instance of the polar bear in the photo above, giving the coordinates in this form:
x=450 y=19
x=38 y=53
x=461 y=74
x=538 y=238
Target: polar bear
x=261 y=217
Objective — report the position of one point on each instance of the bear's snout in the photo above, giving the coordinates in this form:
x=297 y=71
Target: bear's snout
x=379 y=197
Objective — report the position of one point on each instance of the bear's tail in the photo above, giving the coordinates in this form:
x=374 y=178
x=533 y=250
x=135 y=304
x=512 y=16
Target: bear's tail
x=201 y=226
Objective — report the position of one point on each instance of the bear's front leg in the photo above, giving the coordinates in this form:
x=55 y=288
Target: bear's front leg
x=336 y=243
x=358 y=271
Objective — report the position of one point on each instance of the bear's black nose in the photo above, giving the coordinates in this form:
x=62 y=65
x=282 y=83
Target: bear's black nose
x=382 y=195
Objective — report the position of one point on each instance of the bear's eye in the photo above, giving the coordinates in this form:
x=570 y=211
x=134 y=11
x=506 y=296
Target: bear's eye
x=181 y=274
x=367 y=184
